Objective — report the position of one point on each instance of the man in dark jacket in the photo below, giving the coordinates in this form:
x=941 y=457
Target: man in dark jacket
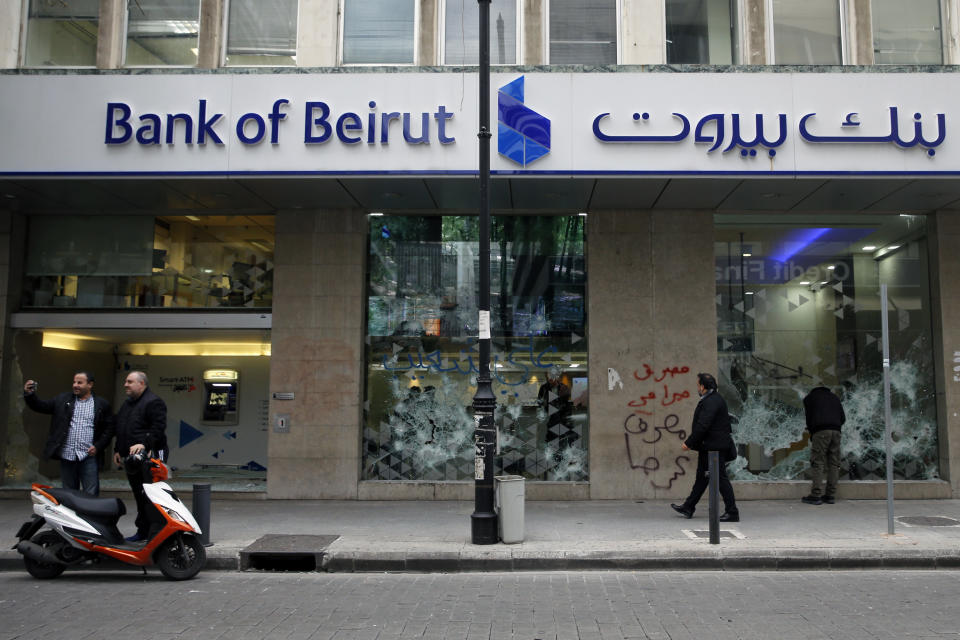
x=141 y=428
x=825 y=416
x=80 y=427
x=710 y=432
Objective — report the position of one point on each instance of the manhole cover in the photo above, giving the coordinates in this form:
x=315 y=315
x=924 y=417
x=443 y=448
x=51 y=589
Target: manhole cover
x=928 y=521
x=276 y=552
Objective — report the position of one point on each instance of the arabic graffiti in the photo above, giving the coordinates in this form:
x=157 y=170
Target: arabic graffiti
x=712 y=129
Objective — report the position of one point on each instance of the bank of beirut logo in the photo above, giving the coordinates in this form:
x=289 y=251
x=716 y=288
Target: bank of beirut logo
x=523 y=135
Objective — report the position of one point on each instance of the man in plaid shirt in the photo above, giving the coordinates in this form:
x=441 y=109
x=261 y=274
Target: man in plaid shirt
x=81 y=426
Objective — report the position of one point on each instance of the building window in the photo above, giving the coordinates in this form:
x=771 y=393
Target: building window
x=807 y=32
x=907 y=33
x=583 y=32
x=62 y=33
x=799 y=307
x=701 y=31
x=141 y=261
x=162 y=32
x=262 y=32
x=379 y=31
x=422 y=337
x=462 y=32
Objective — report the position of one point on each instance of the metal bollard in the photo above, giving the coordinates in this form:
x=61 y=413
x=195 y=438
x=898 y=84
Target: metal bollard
x=201 y=511
x=714 y=476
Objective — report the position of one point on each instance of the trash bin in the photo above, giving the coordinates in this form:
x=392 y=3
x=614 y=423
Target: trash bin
x=509 y=497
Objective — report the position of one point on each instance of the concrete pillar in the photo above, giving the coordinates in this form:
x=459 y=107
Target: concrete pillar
x=428 y=49
x=111 y=34
x=642 y=32
x=317 y=33
x=11 y=22
x=754 y=43
x=12 y=240
x=317 y=354
x=212 y=33
x=944 y=236
x=859 y=32
x=533 y=45
x=652 y=329
x=950 y=16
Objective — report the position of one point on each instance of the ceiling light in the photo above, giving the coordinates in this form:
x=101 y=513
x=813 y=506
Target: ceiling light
x=869 y=247
x=831 y=267
x=893 y=247
x=749 y=293
x=805 y=282
x=192 y=218
x=747 y=255
x=582 y=214
x=824 y=283
x=375 y=215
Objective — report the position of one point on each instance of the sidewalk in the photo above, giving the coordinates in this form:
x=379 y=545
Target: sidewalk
x=435 y=536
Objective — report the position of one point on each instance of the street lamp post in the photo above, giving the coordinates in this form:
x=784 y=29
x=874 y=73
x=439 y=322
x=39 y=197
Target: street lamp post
x=483 y=521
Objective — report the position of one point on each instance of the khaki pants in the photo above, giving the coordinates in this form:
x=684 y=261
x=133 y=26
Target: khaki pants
x=825 y=459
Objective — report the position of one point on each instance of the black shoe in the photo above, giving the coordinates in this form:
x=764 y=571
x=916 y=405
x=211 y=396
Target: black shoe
x=137 y=537
x=811 y=500
x=682 y=510
x=828 y=499
x=730 y=517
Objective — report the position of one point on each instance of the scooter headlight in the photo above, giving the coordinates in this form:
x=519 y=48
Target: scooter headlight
x=174 y=515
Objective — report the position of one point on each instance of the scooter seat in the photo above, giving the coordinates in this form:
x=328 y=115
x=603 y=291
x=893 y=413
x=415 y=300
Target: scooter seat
x=84 y=503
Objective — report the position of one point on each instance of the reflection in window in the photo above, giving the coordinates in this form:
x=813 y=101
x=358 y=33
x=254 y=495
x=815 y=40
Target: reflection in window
x=906 y=32
x=583 y=32
x=422 y=336
x=62 y=33
x=378 y=31
x=462 y=32
x=139 y=261
x=162 y=32
x=807 y=32
x=799 y=307
x=262 y=32
x=701 y=31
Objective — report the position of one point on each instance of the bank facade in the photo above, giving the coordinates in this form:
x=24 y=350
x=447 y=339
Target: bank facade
x=273 y=213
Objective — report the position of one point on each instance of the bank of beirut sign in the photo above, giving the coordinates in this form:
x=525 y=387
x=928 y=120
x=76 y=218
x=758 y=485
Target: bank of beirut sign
x=546 y=124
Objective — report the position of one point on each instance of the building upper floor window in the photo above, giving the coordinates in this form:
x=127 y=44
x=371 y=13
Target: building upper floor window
x=807 y=32
x=461 y=32
x=262 y=32
x=907 y=32
x=379 y=31
x=701 y=31
x=583 y=31
x=62 y=33
x=162 y=32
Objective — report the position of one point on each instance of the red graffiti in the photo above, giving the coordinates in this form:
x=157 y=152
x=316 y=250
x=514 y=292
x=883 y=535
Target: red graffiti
x=669 y=371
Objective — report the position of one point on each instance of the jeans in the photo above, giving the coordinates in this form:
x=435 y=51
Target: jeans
x=74 y=473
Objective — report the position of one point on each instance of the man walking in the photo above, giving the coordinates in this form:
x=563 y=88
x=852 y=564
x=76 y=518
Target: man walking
x=825 y=416
x=710 y=432
x=81 y=426
x=141 y=428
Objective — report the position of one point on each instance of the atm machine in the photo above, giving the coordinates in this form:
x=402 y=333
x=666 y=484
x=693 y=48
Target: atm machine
x=221 y=388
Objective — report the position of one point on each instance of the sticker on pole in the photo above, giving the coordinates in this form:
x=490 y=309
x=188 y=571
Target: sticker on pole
x=484 y=324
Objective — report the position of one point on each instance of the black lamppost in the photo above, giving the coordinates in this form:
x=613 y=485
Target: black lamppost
x=483 y=521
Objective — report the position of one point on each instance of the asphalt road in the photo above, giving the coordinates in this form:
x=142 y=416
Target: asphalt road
x=855 y=605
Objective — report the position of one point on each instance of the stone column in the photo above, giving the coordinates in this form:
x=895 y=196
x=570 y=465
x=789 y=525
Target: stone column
x=533 y=40
x=12 y=241
x=428 y=50
x=11 y=22
x=317 y=33
x=859 y=33
x=944 y=237
x=317 y=354
x=950 y=12
x=642 y=32
x=212 y=33
x=652 y=329
x=111 y=34
x=754 y=36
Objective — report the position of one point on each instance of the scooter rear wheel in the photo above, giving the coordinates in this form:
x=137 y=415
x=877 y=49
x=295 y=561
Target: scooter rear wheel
x=181 y=557
x=42 y=570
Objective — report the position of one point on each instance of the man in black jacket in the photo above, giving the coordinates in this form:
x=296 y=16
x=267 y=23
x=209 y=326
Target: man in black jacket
x=710 y=432
x=80 y=427
x=824 y=414
x=141 y=428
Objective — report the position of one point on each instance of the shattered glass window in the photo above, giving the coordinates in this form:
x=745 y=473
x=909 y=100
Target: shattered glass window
x=422 y=353
x=798 y=306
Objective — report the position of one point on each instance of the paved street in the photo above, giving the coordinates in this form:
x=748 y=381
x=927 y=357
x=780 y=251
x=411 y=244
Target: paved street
x=855 y=605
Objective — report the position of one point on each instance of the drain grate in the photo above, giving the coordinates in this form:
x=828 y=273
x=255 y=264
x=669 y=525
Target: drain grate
x=275 y=552
x=928 y=521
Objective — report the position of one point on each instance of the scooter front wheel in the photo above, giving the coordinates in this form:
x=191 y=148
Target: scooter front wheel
x=43 y=570
x=181 y=557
